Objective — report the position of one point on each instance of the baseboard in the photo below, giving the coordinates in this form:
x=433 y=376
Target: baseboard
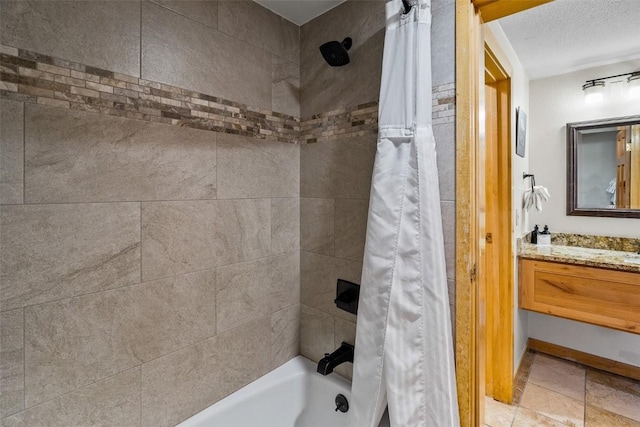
x=587 y=359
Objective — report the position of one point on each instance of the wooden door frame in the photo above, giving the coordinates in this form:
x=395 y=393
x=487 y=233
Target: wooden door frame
x=470 y=327
x=499 y=231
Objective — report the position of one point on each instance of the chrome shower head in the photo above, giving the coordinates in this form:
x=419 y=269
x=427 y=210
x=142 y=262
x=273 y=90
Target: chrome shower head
x=335 y=53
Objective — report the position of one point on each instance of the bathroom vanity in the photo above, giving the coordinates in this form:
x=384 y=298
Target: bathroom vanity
x=597 y=286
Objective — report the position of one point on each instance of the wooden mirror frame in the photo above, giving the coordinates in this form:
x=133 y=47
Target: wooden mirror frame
x=572 y=168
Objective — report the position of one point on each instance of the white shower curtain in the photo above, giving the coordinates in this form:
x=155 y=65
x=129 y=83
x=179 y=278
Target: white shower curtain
x=404 y=348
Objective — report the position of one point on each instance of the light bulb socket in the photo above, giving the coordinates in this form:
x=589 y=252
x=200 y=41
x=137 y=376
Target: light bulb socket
x=597 y=84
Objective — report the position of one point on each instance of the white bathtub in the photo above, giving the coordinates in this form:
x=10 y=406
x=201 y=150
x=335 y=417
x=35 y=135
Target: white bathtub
x=293 y=395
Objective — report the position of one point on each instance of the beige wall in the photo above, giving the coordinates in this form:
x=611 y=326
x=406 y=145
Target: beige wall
x=148 y=270
x=556 y=101
x=336 y=173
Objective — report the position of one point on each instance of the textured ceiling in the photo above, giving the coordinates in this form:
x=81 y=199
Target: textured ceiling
x=568 y=35
x=299 y=11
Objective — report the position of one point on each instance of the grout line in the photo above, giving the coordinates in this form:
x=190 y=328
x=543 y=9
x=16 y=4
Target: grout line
x=150 y=201
x=217 y=144
x=154 y=280
x=140 y=46
x=140 y=236
x=140 y=402
x=24 y=152
x=334 y=227
x=141 y=363
x=24 y=362
x=65 y=394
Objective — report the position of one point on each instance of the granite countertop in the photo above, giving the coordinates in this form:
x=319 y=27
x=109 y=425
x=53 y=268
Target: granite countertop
x=580 y=256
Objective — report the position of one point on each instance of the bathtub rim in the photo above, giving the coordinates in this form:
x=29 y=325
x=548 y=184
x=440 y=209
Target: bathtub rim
x=296 y=367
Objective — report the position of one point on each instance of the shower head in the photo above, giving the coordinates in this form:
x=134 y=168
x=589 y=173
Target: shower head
x=335 y=53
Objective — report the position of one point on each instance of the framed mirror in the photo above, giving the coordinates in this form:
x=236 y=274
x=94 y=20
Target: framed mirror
x=603 y=168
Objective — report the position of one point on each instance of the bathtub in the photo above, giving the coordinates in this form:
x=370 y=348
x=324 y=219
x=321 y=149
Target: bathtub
x=293 y=395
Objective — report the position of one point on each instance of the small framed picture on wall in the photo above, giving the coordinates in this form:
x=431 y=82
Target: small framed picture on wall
x=521 y=131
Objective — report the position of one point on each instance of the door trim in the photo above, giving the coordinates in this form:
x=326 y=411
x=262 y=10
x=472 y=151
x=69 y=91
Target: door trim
x=469 y=315
x=499 y=249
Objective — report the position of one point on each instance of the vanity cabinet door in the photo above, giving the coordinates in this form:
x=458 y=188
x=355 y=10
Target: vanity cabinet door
x=593 y=295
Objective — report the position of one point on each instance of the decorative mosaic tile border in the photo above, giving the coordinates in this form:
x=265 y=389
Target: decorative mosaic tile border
x=444 y=104
x=363 y=119
x=342 y=123
x=35 y=78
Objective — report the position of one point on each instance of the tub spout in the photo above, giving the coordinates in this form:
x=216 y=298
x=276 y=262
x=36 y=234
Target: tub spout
x=330 y=361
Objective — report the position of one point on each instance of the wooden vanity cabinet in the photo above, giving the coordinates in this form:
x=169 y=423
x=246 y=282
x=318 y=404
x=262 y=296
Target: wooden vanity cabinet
x=593 y=295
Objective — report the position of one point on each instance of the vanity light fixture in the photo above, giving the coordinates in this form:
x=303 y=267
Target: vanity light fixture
x=594 y=89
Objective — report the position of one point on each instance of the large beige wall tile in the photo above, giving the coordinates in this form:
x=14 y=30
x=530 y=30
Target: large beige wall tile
x=285 y=335
x=178 y=385
x=73 y=156
x=11 y=152
x=102 y=34
x=203 y=11
x=114 y=401
x=249 y=167
x=178 y=237
x=337 y=169
x=243 y=230
x=253 y=289
x=351 y=227
x=285 y=225
x=359 y=81
x=285 y=89
x=73 y=342
x=445 y=136
x=317 y=225
x=57 y=251
x=316 y=333
x=181 y=52
x=443 y=59
x=11 y=362
x=318 y=277
x=257 y=25
x=316 y=85
x=344 y=331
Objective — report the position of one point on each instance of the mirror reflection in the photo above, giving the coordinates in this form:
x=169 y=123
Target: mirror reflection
x=603 y=165
x=608 y=167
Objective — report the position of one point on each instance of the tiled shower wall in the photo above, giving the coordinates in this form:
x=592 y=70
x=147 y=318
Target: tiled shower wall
x=148 y=269
x=336 y=170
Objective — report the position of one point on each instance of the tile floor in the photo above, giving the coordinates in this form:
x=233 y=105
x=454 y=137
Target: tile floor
x=558 y=393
